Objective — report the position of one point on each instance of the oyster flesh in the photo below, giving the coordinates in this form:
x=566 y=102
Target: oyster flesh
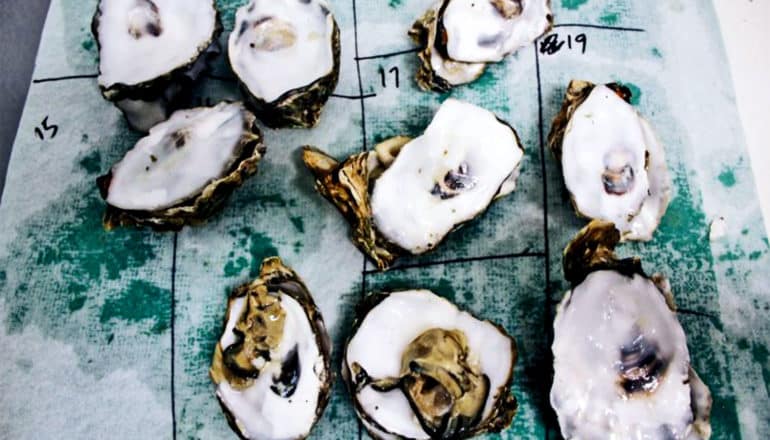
x=614 y=166
x=417 y=367
x=151 y=51
x=621 y=363
x=184 y=169
x=286 y=55
x=272 y=363
x=458 y=38
x=408 y=194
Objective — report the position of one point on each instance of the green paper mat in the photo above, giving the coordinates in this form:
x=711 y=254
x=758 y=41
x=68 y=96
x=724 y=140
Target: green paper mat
x=110 y=334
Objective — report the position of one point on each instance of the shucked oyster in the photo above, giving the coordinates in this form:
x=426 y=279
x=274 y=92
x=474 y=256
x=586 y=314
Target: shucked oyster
x=621 y=365
x=614 y=166
x=417 y=367
x=150 y=51
x=459 y=38
x=286 y=54
x=271 y=365
x=407 y=195
x=184 y=170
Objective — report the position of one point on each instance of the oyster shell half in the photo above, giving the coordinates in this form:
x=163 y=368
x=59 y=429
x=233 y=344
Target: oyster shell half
x=272 y=363
x=621 y=363
x=459 y=38
x=417 y=367
x=151 y=51
x=613 y=164
x=286 y=55
x=184 y=169
x=408 y=194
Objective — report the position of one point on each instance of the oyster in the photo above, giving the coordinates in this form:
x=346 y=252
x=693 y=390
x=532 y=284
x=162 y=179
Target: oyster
x=621 y=363
x=417 y=367
x=407 y=195
x=614 y=166
x=458 y=38
x=184 y=170
x=272 y=363
x=151 y=51
x=286 y=55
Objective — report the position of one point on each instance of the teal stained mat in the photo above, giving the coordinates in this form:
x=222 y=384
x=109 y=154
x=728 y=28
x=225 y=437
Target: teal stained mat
x=110 y=334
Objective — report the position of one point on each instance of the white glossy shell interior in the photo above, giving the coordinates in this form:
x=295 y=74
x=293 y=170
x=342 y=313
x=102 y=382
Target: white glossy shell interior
x=605 y=312
x=477 y=32
x=280 y=45
x=405 y=209
x=185 y=28
x=259 y=412
x=605 y=131
x=387 y=330
x=159 y=172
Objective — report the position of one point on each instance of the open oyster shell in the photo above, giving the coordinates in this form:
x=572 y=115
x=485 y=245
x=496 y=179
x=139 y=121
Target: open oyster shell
x=621 y=363
x=417 y=367
x=272 y=363
x=407 y=195
x=286 y=55
x=613 y=164
x=184 y=169
x=458 y=38
x=151 y=51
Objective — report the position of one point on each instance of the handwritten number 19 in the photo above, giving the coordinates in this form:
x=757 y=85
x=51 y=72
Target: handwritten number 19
x=383 y=76
x=552 y=44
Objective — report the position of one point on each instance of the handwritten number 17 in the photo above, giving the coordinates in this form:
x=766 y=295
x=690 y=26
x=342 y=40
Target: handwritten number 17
x=394 y=71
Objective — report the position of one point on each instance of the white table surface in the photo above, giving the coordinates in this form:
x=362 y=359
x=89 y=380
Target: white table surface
x=746 y=33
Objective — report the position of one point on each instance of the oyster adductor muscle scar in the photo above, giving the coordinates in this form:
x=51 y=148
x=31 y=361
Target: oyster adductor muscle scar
x=151 y=52
x=621 y=362
x=271 y=366
x=406 y=195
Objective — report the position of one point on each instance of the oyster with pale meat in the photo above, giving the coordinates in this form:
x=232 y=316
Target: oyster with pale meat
x=271 y=366
x=184 y=170
x=286 y=55
x=621 y=363
x=151 y=52
x=458 y=38
x=417 y=367
x=408 y=194
x=614 y=166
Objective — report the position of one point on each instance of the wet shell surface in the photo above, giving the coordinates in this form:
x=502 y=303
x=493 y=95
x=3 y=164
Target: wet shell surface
x=614 y=166
x=408 y=194
x=458 y=38
x=286 y=55
x=184 y=169
x=418 y=367
x=621 y=362
x=271 y=365
x=151 y=52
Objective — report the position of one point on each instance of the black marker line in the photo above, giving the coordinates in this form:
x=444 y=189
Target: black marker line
x=370 y=95
x=548 y=321
x=599 y=26
x=388 y=55
x=525 y=254
x=173 y=318
x=65 y=78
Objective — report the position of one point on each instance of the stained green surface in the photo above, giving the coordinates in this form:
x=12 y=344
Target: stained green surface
x=86 y=316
